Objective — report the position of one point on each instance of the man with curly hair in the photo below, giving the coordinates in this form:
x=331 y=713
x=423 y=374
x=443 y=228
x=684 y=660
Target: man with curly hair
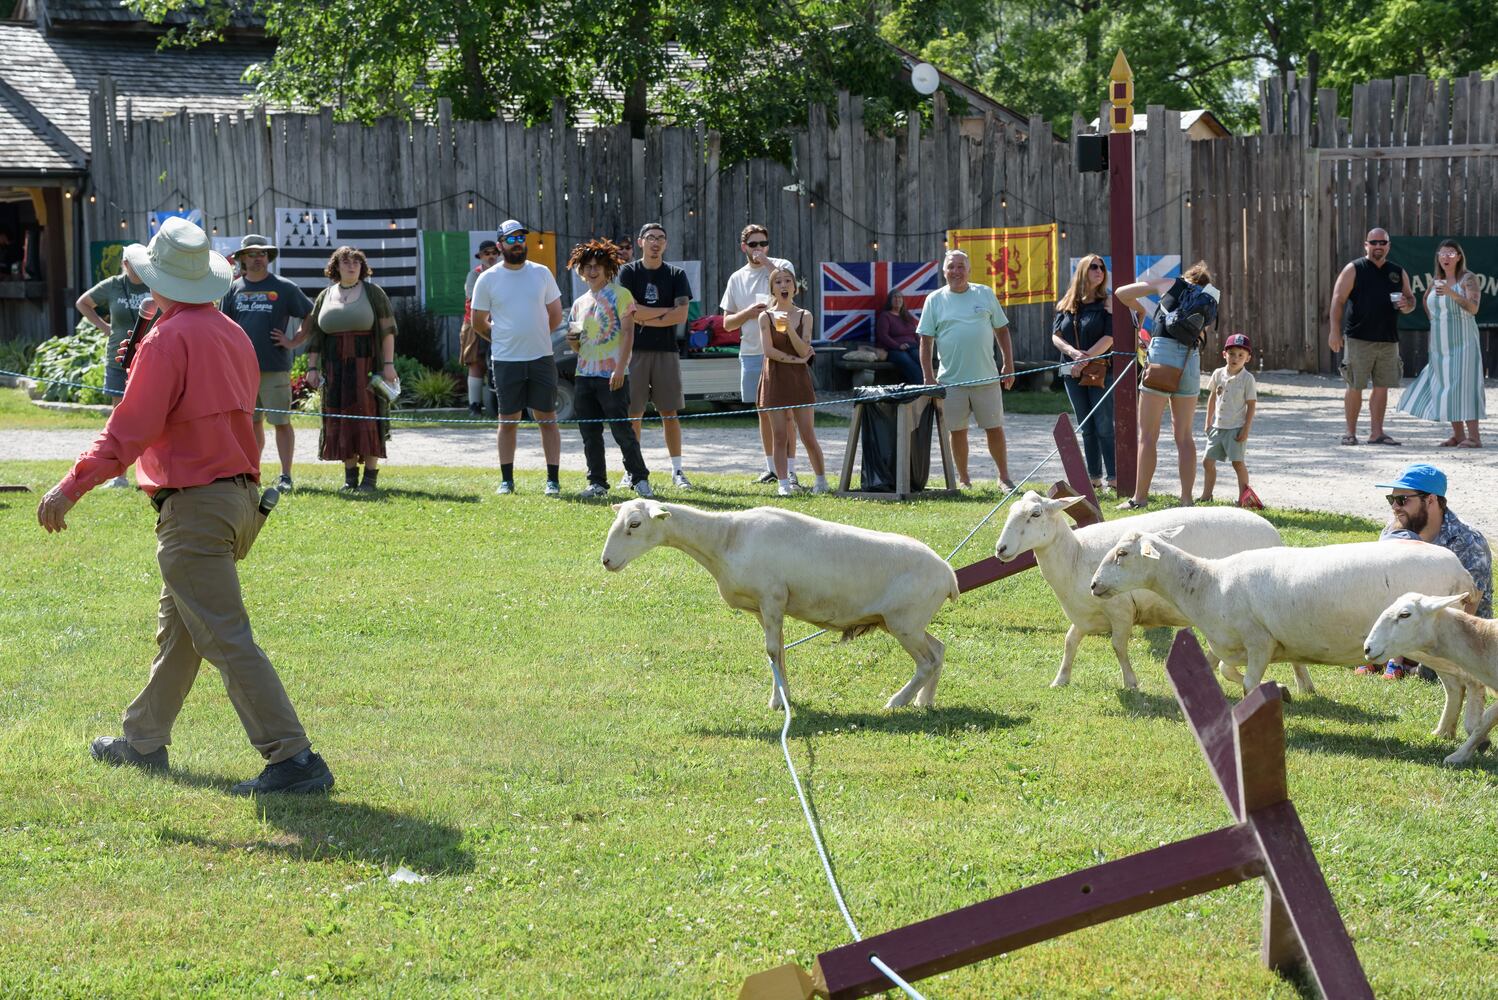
x=601 y=330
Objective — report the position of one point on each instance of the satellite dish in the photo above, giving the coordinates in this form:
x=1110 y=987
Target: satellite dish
x=924 y=78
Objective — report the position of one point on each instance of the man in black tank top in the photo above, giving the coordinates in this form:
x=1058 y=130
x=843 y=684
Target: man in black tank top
x=1369 y=295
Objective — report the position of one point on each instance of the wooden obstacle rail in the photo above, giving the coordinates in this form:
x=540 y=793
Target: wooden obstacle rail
x=1302 y=930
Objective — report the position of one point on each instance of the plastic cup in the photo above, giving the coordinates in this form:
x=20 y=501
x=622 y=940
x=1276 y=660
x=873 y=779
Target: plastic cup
x=1396 y=297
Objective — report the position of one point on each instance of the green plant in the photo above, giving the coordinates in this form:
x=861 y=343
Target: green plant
x=409 y=371
x=431 y=389
x=310 y=403
x=16 y=355
x=71 y=359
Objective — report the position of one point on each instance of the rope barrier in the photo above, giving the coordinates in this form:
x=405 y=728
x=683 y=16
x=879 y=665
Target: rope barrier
x=486 y=422
x=785 y=700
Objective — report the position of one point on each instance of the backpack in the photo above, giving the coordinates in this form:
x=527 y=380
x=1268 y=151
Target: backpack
x=1185 y=311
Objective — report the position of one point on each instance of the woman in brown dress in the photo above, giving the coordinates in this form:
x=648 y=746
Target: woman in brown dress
x=786 y=332
x=351 y=335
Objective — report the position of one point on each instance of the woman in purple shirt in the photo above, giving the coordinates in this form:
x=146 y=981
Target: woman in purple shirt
x=894 y=330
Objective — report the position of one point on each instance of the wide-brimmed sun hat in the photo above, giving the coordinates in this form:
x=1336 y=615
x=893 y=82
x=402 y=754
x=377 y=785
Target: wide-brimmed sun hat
x=255 y=241
x=179 y=262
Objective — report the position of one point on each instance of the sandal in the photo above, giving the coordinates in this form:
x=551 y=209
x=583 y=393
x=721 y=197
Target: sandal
x=1469 y=443
x=1349 y=439
x=1132 y=504
x=1384 y=439
x=1451 y=442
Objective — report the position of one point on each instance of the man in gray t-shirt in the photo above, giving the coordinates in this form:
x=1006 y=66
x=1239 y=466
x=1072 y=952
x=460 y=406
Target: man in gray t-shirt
x=264 y=305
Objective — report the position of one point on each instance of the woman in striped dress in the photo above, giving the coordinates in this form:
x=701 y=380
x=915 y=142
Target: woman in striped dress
x=1450 y=387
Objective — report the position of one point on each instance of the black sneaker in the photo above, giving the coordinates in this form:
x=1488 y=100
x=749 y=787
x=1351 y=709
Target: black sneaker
x=283 y=484
x=475 y=409
x=764 y=477
x=115 y=750
x=306 y=772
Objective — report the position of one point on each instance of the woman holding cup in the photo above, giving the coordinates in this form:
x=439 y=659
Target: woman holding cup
x=785 y=331
x=1450 y=387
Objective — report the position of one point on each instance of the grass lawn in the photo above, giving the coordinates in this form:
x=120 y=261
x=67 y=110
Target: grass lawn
x=583 y=766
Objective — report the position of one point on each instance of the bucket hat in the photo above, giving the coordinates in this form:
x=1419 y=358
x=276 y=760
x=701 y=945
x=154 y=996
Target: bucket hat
x=255 y=241
x=179 y=262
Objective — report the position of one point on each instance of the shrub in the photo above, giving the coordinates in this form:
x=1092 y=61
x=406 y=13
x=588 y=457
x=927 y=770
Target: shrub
x=418 y=334
x=431 y=389
x=16 y=355
x=79 y=358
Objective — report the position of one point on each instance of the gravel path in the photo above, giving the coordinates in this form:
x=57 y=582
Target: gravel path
x=1294 y=458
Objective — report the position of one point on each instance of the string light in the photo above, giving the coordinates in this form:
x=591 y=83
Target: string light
x=392 y=223
x=92 y=199
x=470 y=204
x=1063 y=234
x=122 y=222
x=1003 y=201
x=1188 y=200
x=215 y=230
x=811 y=204
x=249 y=220
x=68 y=195
x=873 y=244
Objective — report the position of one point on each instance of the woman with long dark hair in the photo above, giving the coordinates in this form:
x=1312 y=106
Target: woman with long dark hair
x=351 y=336
x=1449 y=388
x=1083 y=333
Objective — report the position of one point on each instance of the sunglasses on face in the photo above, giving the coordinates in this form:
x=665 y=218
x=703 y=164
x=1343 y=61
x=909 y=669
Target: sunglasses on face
x=515 y=239
x=1096 y=267
x=756 y=244
x=1376 y=243
x=1395 y=500
x=253 y=253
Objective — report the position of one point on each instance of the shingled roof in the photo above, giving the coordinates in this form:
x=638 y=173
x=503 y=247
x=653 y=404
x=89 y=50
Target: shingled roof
x=113 y=15
x=54 y=75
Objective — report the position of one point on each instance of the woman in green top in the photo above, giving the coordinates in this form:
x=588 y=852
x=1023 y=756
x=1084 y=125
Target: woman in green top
x=351 y=335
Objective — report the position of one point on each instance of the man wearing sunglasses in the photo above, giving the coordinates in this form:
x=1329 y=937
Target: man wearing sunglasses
x=745 y=297
x=1417 y=503
x=517 y=305
x=1367 y=299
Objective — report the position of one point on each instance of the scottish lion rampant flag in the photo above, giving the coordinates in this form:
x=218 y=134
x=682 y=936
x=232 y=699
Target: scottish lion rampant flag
x=852 y=294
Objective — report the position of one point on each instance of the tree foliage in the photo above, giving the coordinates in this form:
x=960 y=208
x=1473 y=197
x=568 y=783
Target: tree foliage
x=750 y=71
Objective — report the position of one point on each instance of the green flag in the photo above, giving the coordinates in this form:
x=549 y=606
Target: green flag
x=445 y=262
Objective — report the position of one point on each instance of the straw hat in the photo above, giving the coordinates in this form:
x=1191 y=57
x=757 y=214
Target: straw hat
x=179 y=262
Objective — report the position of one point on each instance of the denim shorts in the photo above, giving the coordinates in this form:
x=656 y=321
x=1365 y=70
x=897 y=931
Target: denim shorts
x=751 y=366
x=1165 y=350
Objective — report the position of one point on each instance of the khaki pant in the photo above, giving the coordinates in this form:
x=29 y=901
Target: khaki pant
x=202 y=616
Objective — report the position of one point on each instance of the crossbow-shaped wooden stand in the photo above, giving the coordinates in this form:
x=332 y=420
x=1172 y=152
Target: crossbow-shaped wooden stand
x=1245 y=750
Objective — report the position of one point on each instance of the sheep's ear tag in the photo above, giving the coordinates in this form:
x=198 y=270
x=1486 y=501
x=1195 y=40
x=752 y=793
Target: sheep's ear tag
x=1148 y=551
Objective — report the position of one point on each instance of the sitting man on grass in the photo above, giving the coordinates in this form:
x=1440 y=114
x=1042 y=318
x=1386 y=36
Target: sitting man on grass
x=1418 y=504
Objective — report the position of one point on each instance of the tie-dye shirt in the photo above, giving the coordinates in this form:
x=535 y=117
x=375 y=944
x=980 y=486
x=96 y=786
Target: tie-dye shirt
x=602 y=337
x=1468 y=545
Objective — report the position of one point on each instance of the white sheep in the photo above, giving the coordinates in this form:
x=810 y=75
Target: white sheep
x=1067 y=558
x=775 y=563
x=1310 y=605
x=1461 y=648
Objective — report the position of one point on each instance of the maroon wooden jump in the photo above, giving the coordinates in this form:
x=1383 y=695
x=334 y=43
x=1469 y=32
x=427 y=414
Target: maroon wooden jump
x=1245 y=751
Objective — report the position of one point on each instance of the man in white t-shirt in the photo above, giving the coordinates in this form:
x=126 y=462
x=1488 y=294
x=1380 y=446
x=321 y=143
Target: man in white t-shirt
x=745 y=297
x=517 y=305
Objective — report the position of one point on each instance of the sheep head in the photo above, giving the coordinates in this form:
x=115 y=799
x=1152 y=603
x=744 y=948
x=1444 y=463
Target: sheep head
x=639 y=527
x=1128 y=565
x=1033 y=523
x=1407 y=627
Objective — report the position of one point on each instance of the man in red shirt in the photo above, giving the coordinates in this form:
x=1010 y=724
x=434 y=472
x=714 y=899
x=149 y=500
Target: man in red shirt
x=188 y=416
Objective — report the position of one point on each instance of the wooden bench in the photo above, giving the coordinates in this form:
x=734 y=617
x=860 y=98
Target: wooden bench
x=868 y=372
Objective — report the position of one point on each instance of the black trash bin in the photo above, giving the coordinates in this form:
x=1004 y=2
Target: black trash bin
x=877 y=471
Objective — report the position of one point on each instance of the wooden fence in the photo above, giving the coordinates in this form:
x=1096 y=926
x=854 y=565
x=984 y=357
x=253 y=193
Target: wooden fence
x=1274 y=213
x=1279 y=214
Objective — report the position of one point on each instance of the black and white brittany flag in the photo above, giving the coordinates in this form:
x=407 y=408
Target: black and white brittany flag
x=307 y=237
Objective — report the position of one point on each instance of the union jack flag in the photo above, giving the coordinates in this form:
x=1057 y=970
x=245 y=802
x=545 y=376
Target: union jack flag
x=853 y=293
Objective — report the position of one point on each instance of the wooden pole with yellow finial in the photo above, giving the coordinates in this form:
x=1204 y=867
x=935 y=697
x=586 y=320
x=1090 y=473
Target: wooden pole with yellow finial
x=1121 y=247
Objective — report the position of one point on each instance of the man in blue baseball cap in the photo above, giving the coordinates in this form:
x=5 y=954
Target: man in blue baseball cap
x=1417 y=502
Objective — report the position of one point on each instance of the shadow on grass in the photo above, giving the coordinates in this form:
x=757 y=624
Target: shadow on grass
x=387 y=493
x=1143 y=704
x=1385 y=748
x=936 y=721
x=1321 y=707
x=327 y=827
